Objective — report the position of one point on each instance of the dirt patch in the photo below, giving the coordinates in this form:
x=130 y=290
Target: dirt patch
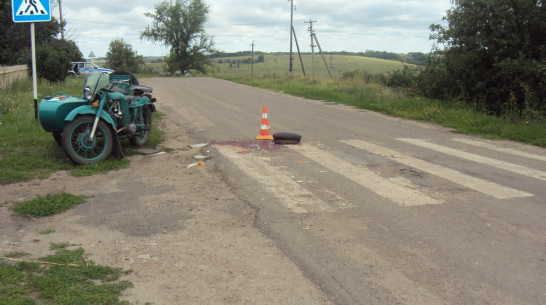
x=184 y=234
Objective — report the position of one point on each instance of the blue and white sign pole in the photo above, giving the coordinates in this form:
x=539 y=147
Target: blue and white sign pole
x=31 y=11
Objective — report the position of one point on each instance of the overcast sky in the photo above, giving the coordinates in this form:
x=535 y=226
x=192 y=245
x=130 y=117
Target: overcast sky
x=399 y=26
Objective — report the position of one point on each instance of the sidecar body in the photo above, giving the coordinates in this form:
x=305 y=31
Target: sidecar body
x=54 y=110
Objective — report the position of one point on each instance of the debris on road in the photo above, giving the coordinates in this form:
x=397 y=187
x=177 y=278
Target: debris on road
x=200 y=145
x=286 y=138
x=149 y=151
x=195 y=164
x=201 y=157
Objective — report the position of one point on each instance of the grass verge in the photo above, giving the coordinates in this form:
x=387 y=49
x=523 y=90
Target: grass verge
x=48 y=205
x=357 y=93
x=27 y=151
x=66 y=277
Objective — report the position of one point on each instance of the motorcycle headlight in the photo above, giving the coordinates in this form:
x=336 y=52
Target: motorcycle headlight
x=87 y=94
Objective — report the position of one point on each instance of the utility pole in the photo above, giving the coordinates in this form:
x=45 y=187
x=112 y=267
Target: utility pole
x=299 y=53
x=61 y=19
x=312 y=34
x=252 y=59
x=291 y=34
x=322 y=54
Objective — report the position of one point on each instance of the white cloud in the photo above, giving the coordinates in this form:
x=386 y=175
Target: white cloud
x=388 y=25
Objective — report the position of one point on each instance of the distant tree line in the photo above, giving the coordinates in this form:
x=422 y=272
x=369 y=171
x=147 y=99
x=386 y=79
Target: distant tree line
x=258 y=59
x=221 y=54
x=413 y=58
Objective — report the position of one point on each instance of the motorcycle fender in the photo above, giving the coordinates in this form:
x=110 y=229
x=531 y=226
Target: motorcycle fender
x=88 y=109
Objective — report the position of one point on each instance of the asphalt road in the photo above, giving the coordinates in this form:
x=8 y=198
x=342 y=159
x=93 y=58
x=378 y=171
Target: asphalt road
x=374 y=209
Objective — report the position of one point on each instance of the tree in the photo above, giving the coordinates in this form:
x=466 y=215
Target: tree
x=53 y=56
x=120 y=56
x=15 y=37
x=494 y=55
x=181 y=26
x=53 y=59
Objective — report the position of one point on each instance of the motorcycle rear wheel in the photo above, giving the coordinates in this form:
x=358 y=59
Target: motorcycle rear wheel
x=76 y=144
x=142 y=137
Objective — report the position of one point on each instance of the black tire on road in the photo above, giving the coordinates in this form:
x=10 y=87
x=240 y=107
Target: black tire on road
x=77 y=146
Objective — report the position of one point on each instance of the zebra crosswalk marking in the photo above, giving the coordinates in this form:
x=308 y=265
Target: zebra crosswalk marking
x=477 y=184
x=511 y=151
x=292 y=195
x=518 y=169
x=400 y=193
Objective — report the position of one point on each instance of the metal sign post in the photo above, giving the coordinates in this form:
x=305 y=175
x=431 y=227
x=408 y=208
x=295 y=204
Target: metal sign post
x=31 y=11
x=34 y=84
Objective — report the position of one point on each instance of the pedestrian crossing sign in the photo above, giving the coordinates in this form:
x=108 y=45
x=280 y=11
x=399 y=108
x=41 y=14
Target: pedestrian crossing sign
x=30 y=10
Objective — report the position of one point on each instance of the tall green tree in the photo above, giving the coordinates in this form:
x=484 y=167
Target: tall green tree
x=493 y=55
x=53 y=55
x=120 y=56
x=15 y=37
x=181 y=26
x=53 y=59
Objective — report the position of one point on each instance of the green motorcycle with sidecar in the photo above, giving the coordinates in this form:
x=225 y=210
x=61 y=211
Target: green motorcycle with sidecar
x=89 y=129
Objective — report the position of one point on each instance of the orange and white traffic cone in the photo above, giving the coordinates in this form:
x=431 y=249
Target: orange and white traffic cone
x=264 y=127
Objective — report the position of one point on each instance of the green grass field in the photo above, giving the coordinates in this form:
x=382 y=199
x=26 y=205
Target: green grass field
x=279 y=64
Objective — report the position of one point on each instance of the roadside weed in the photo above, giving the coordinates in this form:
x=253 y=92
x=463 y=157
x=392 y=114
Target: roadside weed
x=66 y=277
x=47 y=231
x=48 y=205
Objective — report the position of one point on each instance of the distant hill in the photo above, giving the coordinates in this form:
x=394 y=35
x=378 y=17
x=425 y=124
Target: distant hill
x=414 y=58
x=279 y=63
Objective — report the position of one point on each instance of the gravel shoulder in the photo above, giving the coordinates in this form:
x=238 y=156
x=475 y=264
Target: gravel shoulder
x=182 y=231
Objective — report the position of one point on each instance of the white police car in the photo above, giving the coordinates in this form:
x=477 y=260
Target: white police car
x=86 y=68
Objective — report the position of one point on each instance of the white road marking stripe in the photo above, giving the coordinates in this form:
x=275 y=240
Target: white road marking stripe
x=400 y=193
x=511 y=151
x=292 y=195
x=518 y=169
x=479 y=185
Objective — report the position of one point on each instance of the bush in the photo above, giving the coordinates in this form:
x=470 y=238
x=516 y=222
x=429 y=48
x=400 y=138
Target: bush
x=405 y=78
x=53 y=59
x=494 y=56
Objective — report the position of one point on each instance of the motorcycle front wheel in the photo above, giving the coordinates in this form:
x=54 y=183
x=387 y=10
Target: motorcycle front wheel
x=79 y=148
